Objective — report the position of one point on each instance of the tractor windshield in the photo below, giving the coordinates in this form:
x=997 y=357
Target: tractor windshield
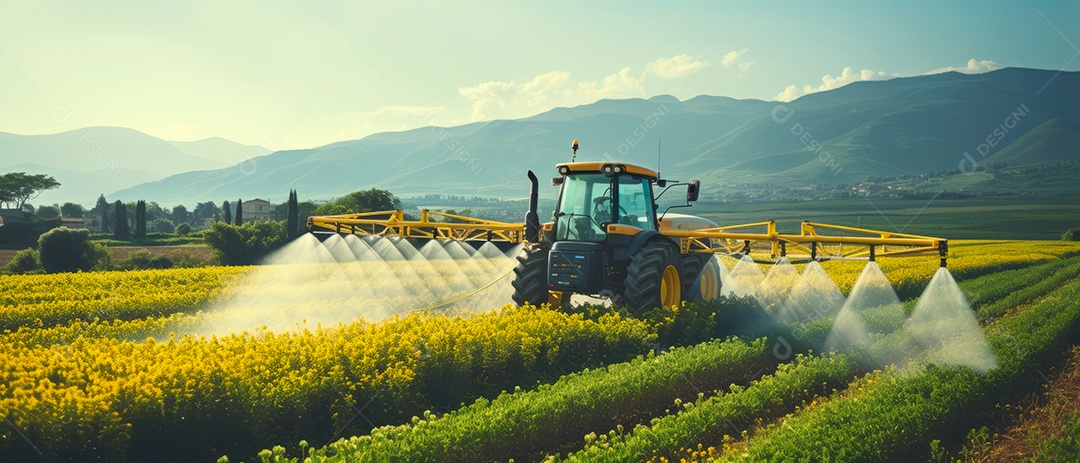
x=585 y=203
x=590 y=201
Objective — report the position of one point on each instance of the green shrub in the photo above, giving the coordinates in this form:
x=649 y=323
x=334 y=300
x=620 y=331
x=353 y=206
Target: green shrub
x=25 y=261
x=183 y=229
x=1072 y=234
x=244 y=244
x=64 y=249
x=161 y=226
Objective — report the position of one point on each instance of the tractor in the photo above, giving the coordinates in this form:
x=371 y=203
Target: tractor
x=605 y=240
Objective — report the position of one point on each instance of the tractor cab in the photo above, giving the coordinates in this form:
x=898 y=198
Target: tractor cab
x=595 y=196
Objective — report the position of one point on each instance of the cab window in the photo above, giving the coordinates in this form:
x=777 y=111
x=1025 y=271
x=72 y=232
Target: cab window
x=635 y=205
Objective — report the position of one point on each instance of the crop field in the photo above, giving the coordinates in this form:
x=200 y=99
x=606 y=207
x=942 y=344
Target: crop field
x=331 y=361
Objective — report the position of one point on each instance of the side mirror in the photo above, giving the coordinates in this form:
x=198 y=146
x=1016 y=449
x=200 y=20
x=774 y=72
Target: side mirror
x=692 y=190
x=556 y=181
x=661 y=183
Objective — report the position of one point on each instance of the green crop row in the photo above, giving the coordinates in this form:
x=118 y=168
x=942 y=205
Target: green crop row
x=989 y=289
x=896 y=414
x=709 y=419
x=1017 y=287
x=526 y=423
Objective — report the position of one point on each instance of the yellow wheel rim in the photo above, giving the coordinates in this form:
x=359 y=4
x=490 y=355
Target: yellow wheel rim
x=670 y=287
x=710 y=282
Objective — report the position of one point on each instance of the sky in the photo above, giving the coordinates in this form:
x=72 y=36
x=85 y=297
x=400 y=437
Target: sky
x=285 y=74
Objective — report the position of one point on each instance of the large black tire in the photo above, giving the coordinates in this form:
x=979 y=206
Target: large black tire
x=706 y=284
x=692 y=264
x=645 y=273
x=530 y=277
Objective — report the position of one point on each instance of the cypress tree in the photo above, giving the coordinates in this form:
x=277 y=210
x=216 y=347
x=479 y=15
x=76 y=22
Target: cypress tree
x=140 y=219
x=120 y=225
x=239 y=212
x=293 y=219
x=103 y=206
x=226 y=212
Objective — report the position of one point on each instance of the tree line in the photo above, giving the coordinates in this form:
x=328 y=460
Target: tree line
x=233 y=240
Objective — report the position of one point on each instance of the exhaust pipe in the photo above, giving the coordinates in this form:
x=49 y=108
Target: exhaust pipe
x=532 y=221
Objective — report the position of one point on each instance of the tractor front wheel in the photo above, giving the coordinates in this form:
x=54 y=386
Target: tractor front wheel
x=653 y=277
x=530 y=277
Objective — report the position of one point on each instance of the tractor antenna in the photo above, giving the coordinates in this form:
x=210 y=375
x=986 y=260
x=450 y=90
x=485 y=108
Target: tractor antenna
x=575 y=146
x=658 y=142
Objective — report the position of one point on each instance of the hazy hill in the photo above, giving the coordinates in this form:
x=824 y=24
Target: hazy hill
x=895 y=127
x=220 y=150
x=96 y=148
x=95 y=160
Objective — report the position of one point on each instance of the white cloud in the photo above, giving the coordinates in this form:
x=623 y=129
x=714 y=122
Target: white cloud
x=828 y=82
x=507 y=100
x=744 y=69
x=730 y=58
x=622 y=84
x=972 y=67
x=849 y=75
x=678 y=66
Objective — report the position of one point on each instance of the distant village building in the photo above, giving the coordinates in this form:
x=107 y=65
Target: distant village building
x=73 y=222
x=258 y=210
x=11 y=216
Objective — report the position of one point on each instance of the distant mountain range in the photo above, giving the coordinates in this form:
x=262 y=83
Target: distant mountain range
x=866 y=129
x=95 y=160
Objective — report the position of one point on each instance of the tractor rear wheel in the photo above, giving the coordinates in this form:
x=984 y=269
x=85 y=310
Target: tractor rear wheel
x=692 y=266
x=653 y=277
x=530 y=277
x=706 y=284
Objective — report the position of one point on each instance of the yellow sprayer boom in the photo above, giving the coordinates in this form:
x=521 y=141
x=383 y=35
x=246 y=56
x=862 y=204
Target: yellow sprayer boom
x=609 y=238
x=847 y=243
